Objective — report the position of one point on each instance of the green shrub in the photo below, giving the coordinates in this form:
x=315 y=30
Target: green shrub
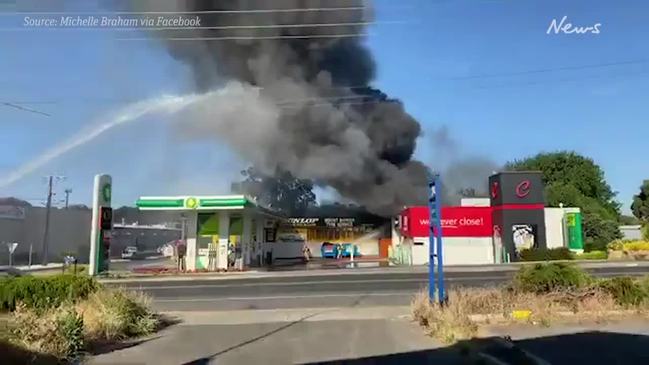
x=644 y=283
x=615 y=245
x=71 y=328
x=44 y=292
x=546 y=254
x=592 y=255
x=636 y=246
x=625 y=290
x=544 y=278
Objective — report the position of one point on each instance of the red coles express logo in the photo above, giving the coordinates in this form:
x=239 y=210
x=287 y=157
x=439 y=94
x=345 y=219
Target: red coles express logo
x=523 y=188
x=494 y=190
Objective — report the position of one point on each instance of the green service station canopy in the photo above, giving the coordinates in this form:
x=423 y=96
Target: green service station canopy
x=218 y=226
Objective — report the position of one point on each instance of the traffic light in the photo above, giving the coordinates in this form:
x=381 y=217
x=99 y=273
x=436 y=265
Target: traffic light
x=106 y=218
x=105 y=227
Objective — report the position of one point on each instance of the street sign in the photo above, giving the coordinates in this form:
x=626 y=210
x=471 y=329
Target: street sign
x=12 y=246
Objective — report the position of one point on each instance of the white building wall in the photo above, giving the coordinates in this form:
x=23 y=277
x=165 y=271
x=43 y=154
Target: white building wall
x=286 y=250
x=457 y=251
x=191 y=256
x=554 y=227
x=475 y=202
x=633 y=232
x=69 y=233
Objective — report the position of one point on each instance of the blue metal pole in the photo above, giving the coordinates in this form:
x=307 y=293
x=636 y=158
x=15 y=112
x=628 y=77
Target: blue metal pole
x=441 y=296
x=432 y=222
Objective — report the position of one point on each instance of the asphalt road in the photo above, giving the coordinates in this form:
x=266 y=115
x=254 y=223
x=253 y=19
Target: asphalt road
x=380 y=288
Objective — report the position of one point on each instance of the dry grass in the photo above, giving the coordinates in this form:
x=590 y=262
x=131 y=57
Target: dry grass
x=468 y=307
x=104 y=317
x=116 y=314
x=55 y=331
x=448 y=324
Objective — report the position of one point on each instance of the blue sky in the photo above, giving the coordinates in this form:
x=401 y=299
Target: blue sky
x=469 y=66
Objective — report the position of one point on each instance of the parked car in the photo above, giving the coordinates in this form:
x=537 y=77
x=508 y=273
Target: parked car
x=129 y=252
x=290 y=237
x=167 y=250
x=347 y=250
x=329 y=250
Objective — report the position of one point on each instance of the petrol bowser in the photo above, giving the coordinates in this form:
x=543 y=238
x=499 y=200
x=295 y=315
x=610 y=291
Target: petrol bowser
x=105 y=228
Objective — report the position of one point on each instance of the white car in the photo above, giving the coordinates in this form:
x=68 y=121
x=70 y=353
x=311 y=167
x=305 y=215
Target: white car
x=129 y=252
x=290 y=237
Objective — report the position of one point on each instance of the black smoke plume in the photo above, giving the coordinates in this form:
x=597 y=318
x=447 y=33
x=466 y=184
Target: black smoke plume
x=303 y=76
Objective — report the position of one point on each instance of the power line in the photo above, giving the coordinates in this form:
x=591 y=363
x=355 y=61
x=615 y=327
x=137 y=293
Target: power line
x=31 y=102
x=221 y=27
x=319 y=98
x=288 y=106
x=242 y=11
x=16 y=106
x=539 y=82
x=544 y=70
x=235 y=38
x=131 y=100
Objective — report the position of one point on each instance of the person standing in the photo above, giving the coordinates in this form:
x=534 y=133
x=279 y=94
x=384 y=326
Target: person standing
x=181 y=248
x=306 y=251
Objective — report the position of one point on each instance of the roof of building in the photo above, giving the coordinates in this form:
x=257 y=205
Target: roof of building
x=201 y=202
x=15 y=202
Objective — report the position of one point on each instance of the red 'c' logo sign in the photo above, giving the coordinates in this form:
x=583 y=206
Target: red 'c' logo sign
x=494 y=190
x=523 y=188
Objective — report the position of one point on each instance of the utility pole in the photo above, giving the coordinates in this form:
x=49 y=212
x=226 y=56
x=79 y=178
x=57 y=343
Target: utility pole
x=48 y=208
x=67 y=197
x=47 y=220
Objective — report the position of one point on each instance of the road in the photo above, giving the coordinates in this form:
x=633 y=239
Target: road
x=357 y=316
x=342 y=288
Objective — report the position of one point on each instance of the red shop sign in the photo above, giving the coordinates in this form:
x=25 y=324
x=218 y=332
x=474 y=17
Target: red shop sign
x=456 y=222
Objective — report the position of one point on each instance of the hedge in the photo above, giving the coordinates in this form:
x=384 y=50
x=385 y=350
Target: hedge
x=626 y=291
x=546 y=254
x=592 y=255
x=44 y=292
x=545 y=278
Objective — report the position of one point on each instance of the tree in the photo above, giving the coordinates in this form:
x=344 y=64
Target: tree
x=569 y=168
x=640 y=205
x=78 y=207
x=629 y=220
x=282 y=191
x=575 y=180
x=599 y=232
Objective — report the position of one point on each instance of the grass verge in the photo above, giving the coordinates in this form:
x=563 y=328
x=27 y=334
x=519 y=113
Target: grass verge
x=111 y=315
x=541 y=294
x=74 y=319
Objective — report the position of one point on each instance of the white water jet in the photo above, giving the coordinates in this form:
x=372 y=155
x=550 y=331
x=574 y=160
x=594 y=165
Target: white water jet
x=131 y=112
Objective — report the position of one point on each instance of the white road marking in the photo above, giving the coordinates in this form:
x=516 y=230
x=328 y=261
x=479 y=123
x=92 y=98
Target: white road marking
x=321 y=282
x=350 y=295
x=237 y=317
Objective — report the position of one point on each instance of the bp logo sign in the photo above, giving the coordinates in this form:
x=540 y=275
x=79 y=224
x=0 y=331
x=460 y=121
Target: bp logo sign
x=191 y=203
x=106 y=192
